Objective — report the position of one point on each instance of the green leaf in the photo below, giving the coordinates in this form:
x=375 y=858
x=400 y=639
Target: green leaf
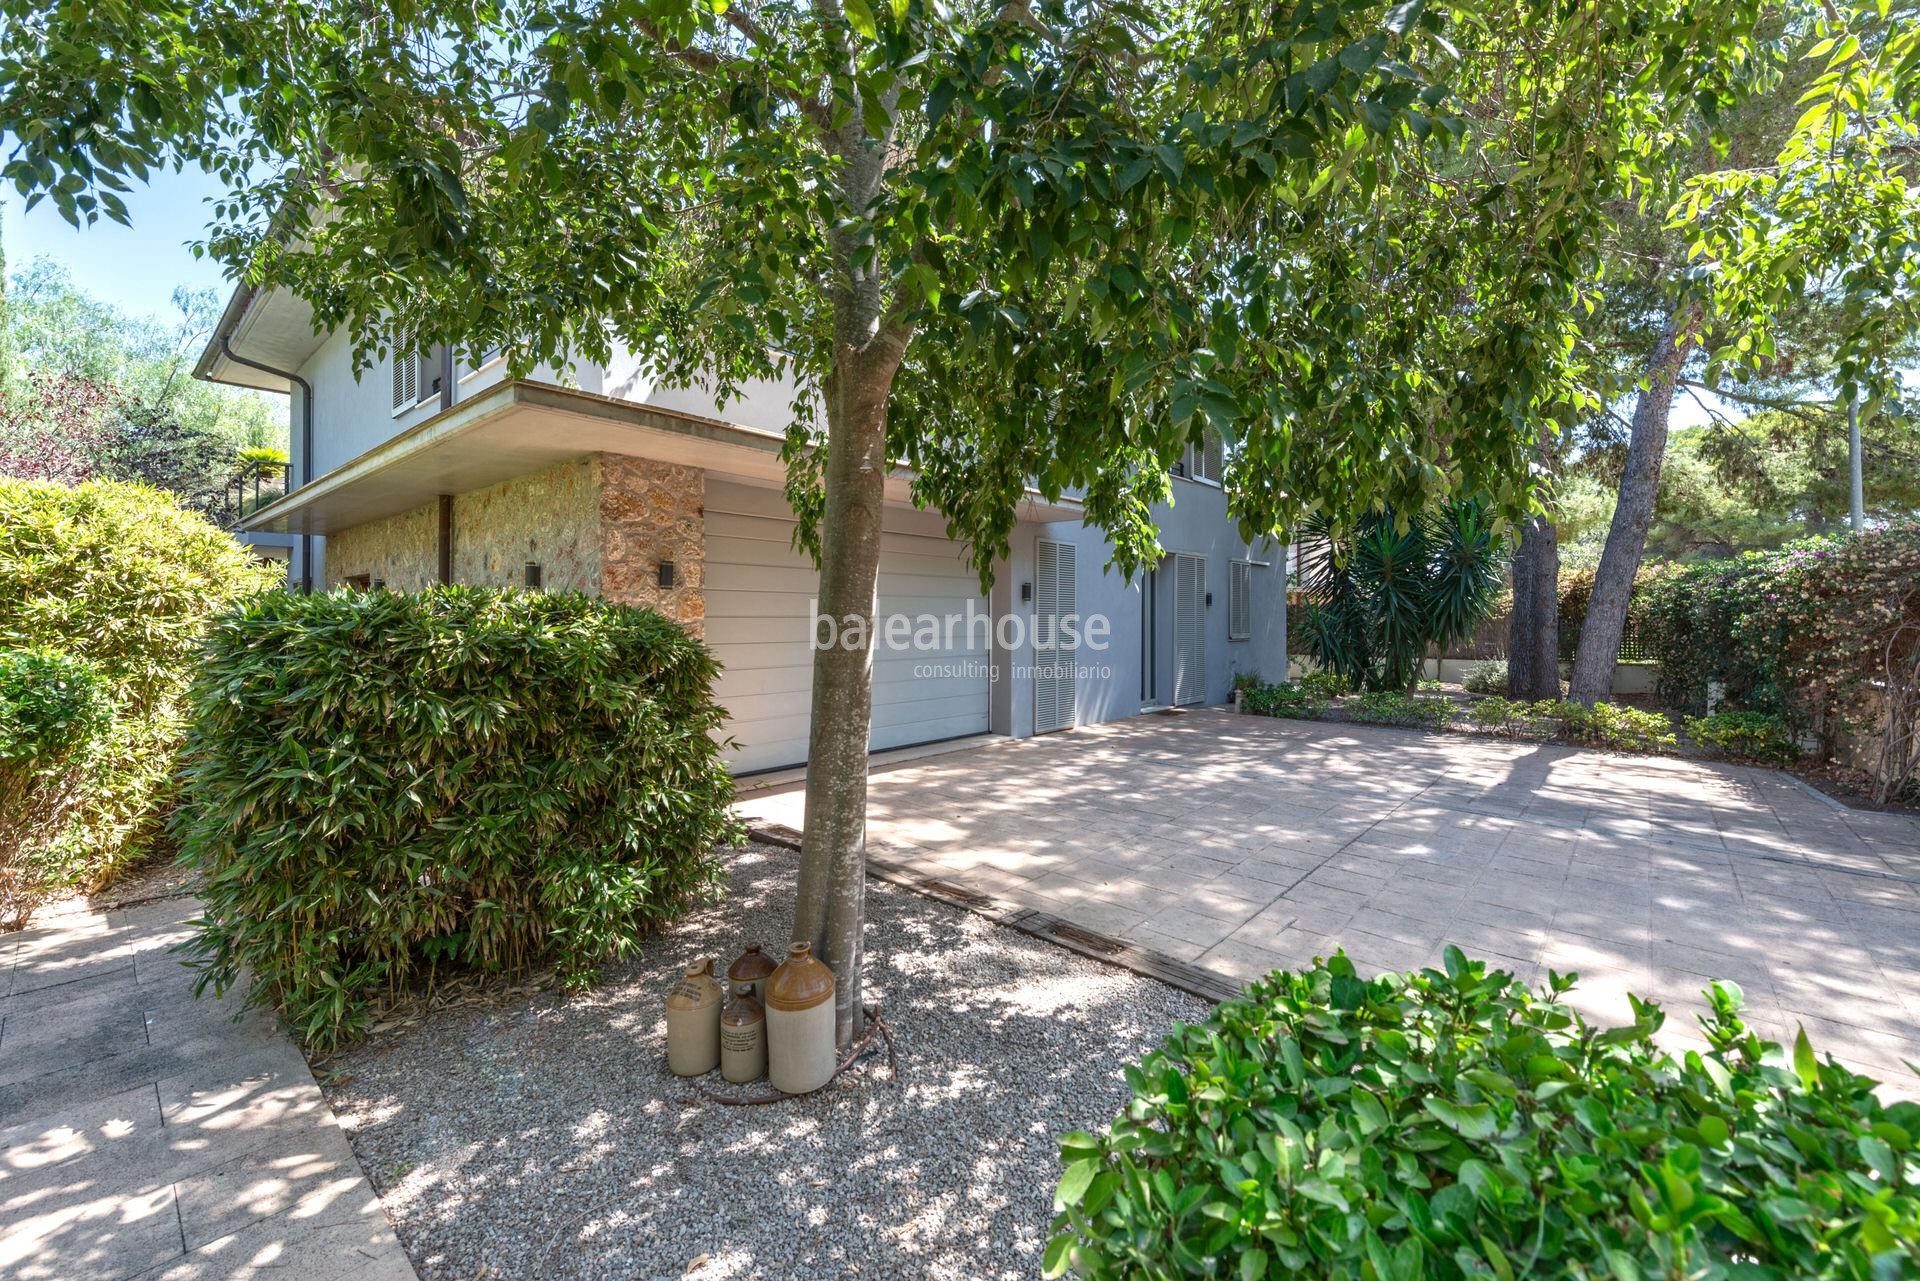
x=1805 y=1066
x=1073 y=1184
x=860 y=18
x=1469 y=1120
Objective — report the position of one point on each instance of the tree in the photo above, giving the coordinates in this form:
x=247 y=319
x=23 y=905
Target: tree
x=1039 y=243
x=1818 y=227
x=93 y=394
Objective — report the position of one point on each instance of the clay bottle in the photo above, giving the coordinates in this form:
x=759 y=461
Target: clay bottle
x=801 y=1054
x=743 y=1037
x=752 y=966
x=693 y=1021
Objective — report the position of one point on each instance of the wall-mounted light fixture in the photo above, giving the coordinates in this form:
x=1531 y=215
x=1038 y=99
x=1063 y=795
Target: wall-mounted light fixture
x=1209 y=600
x=1026 y=593
x=533 y=574
x=666 y=573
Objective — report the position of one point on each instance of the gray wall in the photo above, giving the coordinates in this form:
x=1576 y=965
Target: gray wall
x=1195 y=522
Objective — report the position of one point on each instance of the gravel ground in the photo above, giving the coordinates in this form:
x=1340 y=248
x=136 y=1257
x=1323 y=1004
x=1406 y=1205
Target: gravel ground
x=535 y=1135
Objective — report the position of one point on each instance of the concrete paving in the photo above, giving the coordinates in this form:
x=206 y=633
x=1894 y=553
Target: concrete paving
x=1243 y=843
x=146 y=1134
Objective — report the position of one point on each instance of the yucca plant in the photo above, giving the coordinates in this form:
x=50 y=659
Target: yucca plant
x=1378 y=596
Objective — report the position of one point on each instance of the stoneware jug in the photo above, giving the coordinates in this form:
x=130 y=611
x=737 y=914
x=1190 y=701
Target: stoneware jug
x=752 y=966
x=693 y=1021
x=800 y=1049
x=743 y=1037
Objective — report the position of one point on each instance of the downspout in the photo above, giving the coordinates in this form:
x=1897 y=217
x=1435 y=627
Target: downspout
x=306 y=445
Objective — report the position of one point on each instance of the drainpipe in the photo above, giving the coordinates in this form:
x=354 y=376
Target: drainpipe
x=306 y=445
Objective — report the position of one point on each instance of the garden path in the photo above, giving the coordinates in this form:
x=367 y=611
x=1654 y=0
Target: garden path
x=146 y=1134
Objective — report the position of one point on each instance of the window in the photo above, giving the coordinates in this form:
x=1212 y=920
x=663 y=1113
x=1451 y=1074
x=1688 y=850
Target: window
x=1205 y=462
x=1240 y=600
x=416 y=376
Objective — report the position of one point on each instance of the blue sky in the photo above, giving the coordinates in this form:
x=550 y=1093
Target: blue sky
x=136 y=269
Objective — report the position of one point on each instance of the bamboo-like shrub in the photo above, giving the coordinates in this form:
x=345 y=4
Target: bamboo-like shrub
x=381 y=786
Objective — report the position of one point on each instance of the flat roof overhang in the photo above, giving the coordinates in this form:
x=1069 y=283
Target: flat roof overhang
x=518 y=427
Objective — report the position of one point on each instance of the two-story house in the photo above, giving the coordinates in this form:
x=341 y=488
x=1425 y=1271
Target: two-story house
x=433 y=469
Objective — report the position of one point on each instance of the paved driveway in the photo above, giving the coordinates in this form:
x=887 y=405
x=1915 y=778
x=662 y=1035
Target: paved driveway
x=1241 y=843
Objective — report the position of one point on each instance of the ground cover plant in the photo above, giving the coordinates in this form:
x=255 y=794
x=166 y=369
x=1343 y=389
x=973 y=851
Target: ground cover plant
x=1453 y=1123
x=1753 y=736
x=384 y=786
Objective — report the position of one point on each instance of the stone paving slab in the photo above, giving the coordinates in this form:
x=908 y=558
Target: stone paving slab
x=1240 y=844
x=146 y=1133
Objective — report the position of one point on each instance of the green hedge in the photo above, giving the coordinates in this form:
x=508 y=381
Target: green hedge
x=1455 y=1124
x=124 y=578
x=1824 y=633
x=383 y=784
x=54 y=713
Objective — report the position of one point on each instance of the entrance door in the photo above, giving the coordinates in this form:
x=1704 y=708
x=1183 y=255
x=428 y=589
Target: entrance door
x=1054 y=658
x=1189 y=629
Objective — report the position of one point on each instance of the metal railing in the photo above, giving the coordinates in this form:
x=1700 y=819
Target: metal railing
x=254 y=484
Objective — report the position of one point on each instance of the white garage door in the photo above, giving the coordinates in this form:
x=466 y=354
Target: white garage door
x=758 y=590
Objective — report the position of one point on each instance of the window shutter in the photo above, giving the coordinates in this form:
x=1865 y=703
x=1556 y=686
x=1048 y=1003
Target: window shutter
x=1212 y=455
x=1054 y=660
x=1240 y=601
x=1189 y=629
x=406 y=372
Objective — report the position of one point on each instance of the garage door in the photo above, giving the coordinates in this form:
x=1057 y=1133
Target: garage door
x=758 y=589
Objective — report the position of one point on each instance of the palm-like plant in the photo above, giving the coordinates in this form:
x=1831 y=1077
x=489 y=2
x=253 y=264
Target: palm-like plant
x=1379 y=596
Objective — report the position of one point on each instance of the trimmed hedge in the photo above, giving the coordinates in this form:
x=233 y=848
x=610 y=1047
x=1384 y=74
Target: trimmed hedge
x=380 y=785
x=1457 y=1125
x=54 y=712
x=126 y=579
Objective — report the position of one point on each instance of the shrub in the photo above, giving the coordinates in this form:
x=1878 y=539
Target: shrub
x=1488 y=677
x=126 y=579
x=1753 y=736
x=1390 y=707
x=54 y=712
x=1825 y=632
x=1379 y=596
x=1245 y=681
x=1626 y=729
x=1454 y=1124
x=1283 y=699
x=1325 y=685
x=1496 y=711
x=380 y=785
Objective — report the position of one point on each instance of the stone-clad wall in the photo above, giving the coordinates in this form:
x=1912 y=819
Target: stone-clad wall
x=550 y=517
x=402 y=551
x=650 y=512
x=600 y=523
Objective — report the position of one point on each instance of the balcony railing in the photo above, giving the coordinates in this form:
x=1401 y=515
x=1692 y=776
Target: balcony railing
x=254 y=484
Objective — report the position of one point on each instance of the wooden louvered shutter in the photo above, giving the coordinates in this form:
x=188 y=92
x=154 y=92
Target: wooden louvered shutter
x=1054 y=660
x=1189 y=629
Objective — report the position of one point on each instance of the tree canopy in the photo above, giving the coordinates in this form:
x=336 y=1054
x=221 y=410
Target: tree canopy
x=1351 y=236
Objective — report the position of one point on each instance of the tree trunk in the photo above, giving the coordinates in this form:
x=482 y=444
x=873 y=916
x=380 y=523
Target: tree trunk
x=1533 y=634
x=1606 y=619
x=831 y=907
